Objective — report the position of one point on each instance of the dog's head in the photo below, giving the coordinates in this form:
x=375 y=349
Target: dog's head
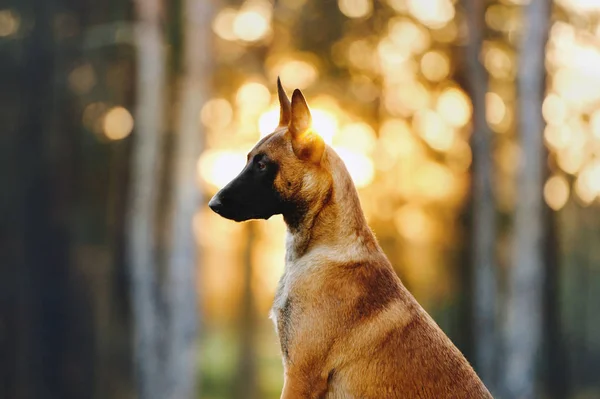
x=284 y=173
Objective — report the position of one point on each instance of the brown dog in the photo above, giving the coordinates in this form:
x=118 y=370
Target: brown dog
x=348 y=327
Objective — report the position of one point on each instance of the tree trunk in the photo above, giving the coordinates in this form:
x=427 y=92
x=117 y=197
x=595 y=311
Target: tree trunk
x=524 y=302
x=483 y=229
x=180 y=281
x=149 y=118
x=555 y=359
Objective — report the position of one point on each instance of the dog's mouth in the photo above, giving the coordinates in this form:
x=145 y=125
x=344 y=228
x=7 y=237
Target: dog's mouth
x=233 y=211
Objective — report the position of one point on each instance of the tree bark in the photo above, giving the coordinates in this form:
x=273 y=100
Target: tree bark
x=525 y=294
x=483 y=229
x=149 y=119
x=182 y=316
x=555 y=359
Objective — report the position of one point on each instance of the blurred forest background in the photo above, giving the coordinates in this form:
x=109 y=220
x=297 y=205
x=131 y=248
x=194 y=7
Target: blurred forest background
x=471 y=127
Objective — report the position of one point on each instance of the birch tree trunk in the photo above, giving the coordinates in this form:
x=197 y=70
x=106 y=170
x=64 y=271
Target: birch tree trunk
x=180 y=289
x=524 y=302
x=149 y=119
x=484 y=216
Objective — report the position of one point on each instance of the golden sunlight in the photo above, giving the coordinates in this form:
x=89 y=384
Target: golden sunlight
x=268 y=122
x=396 y=141
x=223 y=23
x=398 y=5
x=580 y=6
x=118 y=123
x=413 y=223
x=434 y=14
x=454 y=106
x=495 y=109
x=435 y=182
x=435 y=66
x=554 y=109
x=406 y=34
x=571 y=158
x=250 y=26
x=391 y=55
x=253 y=96
x=217 y=168
x=432 y=128
x=253 y=22
x=356 y=8
x=556 y=192
x=216 y=113
x=497 y=61
x=404 y=99
x=361 y=54
x=359 y=166
x=595 y=123
x=558 y=136
x=297 y=73
x=356 y=137
x=584 y=188
x=325 y=124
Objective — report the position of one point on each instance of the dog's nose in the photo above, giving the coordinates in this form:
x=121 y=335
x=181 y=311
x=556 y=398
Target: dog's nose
x=215 y=204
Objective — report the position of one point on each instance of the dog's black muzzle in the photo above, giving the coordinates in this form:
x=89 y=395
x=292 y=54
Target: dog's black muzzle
x=251 y=195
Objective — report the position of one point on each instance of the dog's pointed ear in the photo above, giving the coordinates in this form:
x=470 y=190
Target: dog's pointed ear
x=307 y=144
x=285 y=107
x=301 y=119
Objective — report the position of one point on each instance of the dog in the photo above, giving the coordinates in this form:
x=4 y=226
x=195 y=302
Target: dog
x=348 y=327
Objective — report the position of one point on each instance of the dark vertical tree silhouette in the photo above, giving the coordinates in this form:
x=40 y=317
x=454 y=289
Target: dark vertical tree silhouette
x=483 y=230
x=180 y=277
x=141 y=247
x=526 y=277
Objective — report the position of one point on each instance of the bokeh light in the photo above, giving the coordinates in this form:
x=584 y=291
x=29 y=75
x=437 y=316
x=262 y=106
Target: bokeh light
x=432 y=13
x=219 y=167
x=253 y=21
x=297 y=73
x=253 y=95
x=359 y=166
x=9 y=23
x=432 y=128
x=435 y=66
x=556 y=192
x=223 y=23
x=82 y=79
x=455 y=107
x=216 y=113
x=356 y=8
x=118 y=123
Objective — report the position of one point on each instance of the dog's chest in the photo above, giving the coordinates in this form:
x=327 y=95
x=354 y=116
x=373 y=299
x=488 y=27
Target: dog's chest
x=297 y=290
x=281 y=313
x=286 y=306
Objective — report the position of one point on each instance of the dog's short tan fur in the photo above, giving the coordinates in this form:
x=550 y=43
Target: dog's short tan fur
x=348 y=327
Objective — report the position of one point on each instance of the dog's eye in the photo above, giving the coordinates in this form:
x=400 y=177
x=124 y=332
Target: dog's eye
x=261 y=165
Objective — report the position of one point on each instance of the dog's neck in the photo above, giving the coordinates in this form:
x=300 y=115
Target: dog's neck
x=337 y=220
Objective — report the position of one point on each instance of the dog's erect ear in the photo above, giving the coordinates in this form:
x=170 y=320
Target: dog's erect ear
x=307 y=144
x=301 y=118
x=285 y=107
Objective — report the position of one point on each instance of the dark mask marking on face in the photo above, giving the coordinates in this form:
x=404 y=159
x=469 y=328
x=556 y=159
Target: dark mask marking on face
x=252 y=194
